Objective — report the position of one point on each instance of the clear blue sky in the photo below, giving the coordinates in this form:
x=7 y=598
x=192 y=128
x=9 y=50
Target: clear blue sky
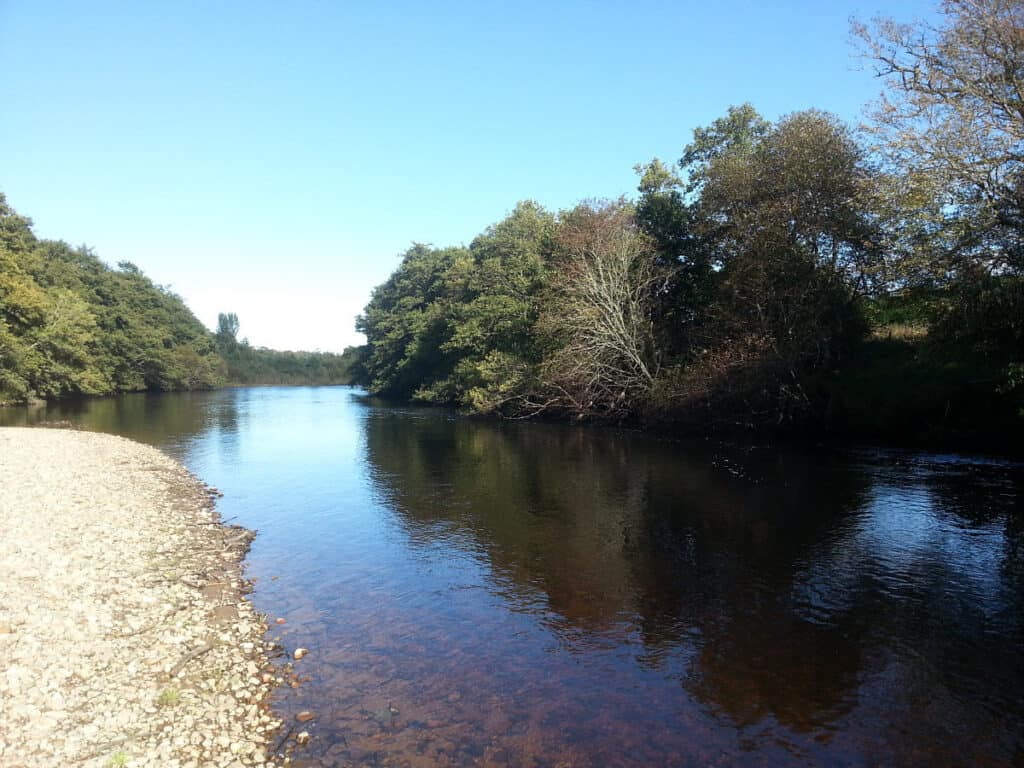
x=274 y=159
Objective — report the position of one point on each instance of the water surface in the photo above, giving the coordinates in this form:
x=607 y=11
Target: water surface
x=482 y=593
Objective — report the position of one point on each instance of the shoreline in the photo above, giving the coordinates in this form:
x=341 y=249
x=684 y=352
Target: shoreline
x=125 y=632
x=1000 y=446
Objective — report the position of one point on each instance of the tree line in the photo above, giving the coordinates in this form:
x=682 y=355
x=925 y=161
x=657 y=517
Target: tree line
x=70 y=325
x=258 y=366
x=788 y=272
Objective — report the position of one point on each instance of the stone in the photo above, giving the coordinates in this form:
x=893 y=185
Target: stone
x=98 y=638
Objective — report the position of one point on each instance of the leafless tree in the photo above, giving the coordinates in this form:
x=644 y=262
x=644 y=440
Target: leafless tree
x=602 y=359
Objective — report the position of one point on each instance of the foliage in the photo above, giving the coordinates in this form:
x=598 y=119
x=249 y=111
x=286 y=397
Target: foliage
x=950 y=127
x=227 y=330
x=783 y=239
x=775 y=276
x=679 y=306
x=246 y=365
x=730 y=281
x=71 y=325
x=493 y=326
x=454 y=325
x=407 y=324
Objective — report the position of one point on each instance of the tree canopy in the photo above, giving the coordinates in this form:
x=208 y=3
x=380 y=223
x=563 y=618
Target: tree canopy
x=752 y=283
x=69 y=324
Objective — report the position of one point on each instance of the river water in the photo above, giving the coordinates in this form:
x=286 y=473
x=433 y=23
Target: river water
x=485 y=593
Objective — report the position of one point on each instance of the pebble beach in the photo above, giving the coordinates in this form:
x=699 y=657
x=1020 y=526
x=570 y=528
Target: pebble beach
x=125 y=635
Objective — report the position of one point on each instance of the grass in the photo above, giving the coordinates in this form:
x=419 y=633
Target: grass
x=910 y=332
x=169 y=697
x=118 y=760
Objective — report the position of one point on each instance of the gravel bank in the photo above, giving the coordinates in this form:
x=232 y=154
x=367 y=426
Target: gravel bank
x=125 y=639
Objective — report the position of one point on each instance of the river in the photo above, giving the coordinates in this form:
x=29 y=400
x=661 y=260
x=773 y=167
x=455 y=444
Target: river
x=485 y=593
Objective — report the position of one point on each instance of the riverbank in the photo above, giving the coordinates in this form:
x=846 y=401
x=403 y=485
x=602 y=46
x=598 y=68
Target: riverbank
x=124 y=632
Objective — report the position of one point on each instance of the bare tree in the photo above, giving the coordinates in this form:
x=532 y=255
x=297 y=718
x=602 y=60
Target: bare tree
x=602 y=360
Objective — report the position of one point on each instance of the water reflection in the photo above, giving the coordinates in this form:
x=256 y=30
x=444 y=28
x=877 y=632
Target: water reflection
x=170 y=421
x=780 y=588
x=525 y=594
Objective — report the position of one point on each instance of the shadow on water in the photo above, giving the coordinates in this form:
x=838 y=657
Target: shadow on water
x=481 y=593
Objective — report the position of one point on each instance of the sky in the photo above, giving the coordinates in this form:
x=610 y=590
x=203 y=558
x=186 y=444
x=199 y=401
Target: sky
x=275 y=159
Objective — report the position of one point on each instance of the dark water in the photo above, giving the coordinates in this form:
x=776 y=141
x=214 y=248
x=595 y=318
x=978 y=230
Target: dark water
x=477 y=593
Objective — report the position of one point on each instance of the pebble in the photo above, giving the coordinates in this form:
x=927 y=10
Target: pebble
x=102 y=541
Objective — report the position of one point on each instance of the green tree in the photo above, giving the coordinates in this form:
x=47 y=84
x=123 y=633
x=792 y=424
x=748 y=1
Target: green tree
x=783 y=211
x=408 y=321
x=679 y=305
x=668 y=212
x=227 y=330
x=456 y=325
x=726 y=141
x=493 y=322
x=71 y=325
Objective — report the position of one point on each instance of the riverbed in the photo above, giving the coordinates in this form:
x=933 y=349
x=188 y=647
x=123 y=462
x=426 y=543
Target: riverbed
x=486 y=593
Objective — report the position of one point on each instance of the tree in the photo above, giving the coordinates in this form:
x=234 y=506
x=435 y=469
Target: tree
x=669 y=212
x=804 y=183
x=952 y=124
x=408 y=322
x=680 y=302
x=456 y=325
x=71 y=325
x=496 y=306
x=729 y=137
x=783 y=213
x=598 y=321
x=227 y=330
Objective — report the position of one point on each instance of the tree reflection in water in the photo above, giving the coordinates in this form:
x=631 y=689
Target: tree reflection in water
x=527 y=594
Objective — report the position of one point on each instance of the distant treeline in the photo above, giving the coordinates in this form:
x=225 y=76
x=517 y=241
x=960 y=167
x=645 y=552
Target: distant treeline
x=255 y=366
x=791 y=273
x=71 y=325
